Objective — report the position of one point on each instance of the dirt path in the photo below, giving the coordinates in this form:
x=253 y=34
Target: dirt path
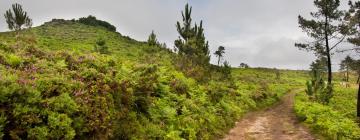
x=275 y=123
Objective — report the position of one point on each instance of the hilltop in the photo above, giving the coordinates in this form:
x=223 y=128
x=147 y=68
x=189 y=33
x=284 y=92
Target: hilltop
x=54 y=85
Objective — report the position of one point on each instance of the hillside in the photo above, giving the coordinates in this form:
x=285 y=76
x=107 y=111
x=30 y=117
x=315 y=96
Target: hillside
x=54 y=85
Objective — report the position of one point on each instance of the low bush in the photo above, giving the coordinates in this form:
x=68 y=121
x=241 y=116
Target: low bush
x=13 y=60
x=325 y=120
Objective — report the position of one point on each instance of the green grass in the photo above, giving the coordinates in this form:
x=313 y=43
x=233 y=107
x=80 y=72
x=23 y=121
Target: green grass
x=54 y=85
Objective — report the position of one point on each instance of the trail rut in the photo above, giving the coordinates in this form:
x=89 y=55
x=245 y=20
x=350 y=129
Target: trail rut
x=275 y=123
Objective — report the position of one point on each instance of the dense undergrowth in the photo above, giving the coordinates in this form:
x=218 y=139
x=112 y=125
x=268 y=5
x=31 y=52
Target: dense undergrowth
x=54 y=85
x=337 y=120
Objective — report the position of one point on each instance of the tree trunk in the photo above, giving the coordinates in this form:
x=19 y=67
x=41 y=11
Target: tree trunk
x=358 y=102
x=347 y=74
x=358 y=98
x=219 y=61
x=328 y=52
x=347 y=77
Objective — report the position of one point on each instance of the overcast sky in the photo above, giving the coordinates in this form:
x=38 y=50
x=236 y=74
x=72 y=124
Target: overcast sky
x=260 y=33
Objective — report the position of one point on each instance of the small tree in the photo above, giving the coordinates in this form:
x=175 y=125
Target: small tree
x=277 y=74
x=191 y=42
x=163 y=45
x=320 y=64
x=355 y=66
x=244 y=65
x=17 y=18
x=226 y=70
x=152 y=40
x=316 y=87
x=219 y=53
x=345 y=66
x=101 y=46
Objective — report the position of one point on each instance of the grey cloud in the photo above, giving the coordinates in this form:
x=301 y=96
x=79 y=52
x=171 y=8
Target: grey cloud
x=278 y=53
x=258 y=32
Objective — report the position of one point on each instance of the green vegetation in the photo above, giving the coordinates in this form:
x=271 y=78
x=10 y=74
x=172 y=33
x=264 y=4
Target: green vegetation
x=92 y=21
x=101 y=46
x=330 y=109
x=58 y=88
x=337 y=120
x=80 y=79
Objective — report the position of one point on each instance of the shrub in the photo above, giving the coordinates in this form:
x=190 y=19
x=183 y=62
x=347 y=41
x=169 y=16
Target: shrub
x=39 y=132
x=3 y=122
x=318 y=89
x=92 y=21
x=13 y=60
x=6 y=48
x=101 y=46
x=226 y=70
x=60 y=126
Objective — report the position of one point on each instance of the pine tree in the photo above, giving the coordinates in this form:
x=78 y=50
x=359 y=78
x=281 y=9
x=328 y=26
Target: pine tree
x=219 y=53
x=244 y=65
x=320 y=64
x=101 y=46
x=327 y=31
x=323 y=28
x=17 y=18
x=353 y=22
x=191 y=42
x=152 y=40
x=345 y=66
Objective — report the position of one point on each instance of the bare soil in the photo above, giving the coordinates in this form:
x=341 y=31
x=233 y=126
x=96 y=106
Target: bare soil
x=275 y=123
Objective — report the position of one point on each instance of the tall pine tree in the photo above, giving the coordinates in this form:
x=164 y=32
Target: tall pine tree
x=191 y=42
x=325 y=29
x=353 y=19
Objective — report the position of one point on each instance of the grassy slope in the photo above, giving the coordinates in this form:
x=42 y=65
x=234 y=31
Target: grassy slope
x=53 y=85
